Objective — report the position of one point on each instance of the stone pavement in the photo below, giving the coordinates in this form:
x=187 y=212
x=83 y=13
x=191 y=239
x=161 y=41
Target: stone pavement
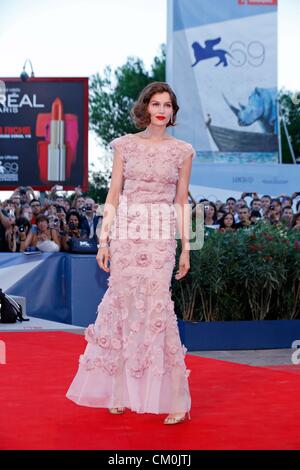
x=257 y=357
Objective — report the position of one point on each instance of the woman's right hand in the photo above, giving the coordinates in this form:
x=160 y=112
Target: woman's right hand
x=42 y=237
x=102 y=258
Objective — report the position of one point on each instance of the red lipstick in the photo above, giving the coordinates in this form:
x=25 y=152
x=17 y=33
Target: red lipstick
x=161 y=118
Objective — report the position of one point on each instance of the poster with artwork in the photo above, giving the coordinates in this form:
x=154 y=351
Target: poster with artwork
x=222 y=63
x=44 y=132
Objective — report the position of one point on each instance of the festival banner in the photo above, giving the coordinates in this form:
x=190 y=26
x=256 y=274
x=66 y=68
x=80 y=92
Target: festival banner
x=222 y=63
x=44 y=133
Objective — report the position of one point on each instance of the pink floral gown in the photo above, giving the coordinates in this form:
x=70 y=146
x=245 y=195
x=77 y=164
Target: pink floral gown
x=134 y=357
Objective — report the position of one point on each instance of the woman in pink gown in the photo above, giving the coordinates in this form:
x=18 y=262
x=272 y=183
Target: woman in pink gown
x=134 y=358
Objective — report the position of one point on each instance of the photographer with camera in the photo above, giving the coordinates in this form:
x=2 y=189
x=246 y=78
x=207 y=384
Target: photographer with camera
x=26 y=194
x=16 y=234
x=90 y=219
x=54 y=222
x=16 y=202
x=61 y=215
x=79 y=200
x=72 y=230
x=27 y=212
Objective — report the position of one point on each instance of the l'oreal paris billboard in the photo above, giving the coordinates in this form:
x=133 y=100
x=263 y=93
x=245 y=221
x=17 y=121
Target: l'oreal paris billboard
x=44 y=132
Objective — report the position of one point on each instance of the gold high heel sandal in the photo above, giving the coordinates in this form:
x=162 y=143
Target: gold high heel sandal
x=176 y=419
x=116 y=411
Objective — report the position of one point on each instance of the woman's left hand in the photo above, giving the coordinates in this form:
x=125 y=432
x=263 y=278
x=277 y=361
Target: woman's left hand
x=184 y=265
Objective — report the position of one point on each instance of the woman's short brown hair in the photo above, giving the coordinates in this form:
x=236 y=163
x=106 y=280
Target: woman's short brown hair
x=139 y=113
x=42 y=218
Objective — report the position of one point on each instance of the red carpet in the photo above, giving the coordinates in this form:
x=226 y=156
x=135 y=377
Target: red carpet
x=233 y=406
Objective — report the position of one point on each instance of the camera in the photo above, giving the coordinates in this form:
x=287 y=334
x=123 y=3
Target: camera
x=53 y=221
x=21 y=228
x=72 y=226
x=88 y=207
x=23 y=191
x=272 y=207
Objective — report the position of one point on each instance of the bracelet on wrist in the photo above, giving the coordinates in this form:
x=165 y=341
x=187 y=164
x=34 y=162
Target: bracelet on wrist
x=103 y=245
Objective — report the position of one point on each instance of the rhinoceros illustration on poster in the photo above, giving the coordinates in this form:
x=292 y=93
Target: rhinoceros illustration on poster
x=261 y=108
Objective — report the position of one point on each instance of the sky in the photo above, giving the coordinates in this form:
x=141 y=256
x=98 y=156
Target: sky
x=80 y=37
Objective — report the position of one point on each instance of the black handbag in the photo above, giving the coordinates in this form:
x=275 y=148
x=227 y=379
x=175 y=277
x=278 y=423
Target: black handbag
x=10 y=310
x=79 y=245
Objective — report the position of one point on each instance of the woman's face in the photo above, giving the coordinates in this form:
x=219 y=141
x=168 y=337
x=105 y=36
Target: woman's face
x=209 y=211
x=52 y=210
x=61 y=215
x=80 y=202
x=28 y=214
x=228 y=221
x=160 y=109
x=43 y=225
x=73 y=220
x=66 y=205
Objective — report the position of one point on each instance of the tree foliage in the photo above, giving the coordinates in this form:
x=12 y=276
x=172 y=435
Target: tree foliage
x=290 y=107
x=111 y=98
x=113 y=94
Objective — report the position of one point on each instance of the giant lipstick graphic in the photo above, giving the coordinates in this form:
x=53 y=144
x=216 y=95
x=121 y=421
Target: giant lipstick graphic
x=56 y=147
x=57 y=152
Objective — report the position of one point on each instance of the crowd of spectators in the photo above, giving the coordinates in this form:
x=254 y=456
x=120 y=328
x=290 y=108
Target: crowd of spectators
x=50 y=222
x=47 y=222
x=241 y=213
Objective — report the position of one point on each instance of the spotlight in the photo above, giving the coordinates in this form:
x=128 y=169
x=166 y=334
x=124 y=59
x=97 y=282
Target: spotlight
x=24 y=75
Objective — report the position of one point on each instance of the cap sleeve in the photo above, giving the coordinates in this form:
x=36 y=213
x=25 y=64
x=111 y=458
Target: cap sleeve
x=186 y=152
x=118 y=144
